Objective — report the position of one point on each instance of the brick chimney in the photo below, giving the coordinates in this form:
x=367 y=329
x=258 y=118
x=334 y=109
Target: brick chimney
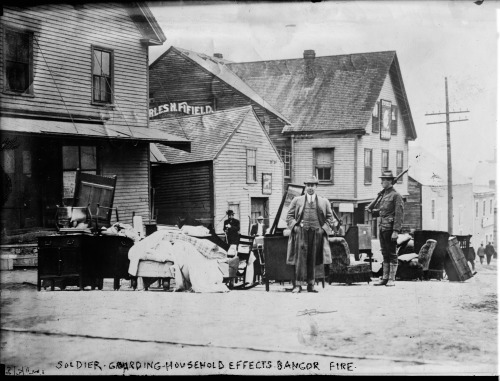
x=309 y=56
x=218 y=55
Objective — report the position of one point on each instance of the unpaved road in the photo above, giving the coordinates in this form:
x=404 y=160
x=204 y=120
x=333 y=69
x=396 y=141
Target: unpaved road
x=420 y=328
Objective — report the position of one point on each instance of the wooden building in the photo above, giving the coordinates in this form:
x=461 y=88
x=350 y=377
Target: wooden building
x=185 y=82
x=232 y=165
x=342 y=118
x=74 y=94
x=350 y=120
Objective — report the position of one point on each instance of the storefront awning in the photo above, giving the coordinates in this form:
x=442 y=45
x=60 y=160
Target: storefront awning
x=92 y=130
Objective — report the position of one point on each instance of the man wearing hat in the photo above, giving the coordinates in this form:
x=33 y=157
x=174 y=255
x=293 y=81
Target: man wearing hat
x=259 y=228
x=232 y=228
x=310 y=220
x=391 y=221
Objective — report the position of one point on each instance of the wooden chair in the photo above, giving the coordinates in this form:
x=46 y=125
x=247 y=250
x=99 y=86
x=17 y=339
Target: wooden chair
x=93 y=201
x=245 y=246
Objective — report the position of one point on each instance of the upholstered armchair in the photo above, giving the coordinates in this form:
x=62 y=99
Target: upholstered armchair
x=342 y=269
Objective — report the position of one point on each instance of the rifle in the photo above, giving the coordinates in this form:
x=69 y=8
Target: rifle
x=373 y=204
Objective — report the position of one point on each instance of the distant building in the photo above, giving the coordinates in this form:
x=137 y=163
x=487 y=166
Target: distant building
x=484 y=216
x=427 y=205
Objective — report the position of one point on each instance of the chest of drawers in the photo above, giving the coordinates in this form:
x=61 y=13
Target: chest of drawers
x=82 y=260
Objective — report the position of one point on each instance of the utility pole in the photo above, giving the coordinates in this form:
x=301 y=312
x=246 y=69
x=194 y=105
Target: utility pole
x=448 y=147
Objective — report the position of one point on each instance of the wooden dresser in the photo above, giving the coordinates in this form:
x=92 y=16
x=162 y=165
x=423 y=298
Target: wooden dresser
x=82 y=260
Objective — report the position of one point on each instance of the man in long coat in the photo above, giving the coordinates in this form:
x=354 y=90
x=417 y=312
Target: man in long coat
x=310 y=220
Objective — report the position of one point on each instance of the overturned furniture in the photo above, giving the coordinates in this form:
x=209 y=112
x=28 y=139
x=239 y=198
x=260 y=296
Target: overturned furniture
x=436 y=263
x=413 y=266
x=342 y=270
x=455 y=264
x=79 y=255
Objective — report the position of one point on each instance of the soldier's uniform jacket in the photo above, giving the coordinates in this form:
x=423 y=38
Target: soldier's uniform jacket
x=391 y=210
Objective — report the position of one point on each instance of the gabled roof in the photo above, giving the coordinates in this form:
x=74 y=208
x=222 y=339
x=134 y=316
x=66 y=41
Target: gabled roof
x=339 y=93
x=217 y=67
x=208 y=133
x=141 y=15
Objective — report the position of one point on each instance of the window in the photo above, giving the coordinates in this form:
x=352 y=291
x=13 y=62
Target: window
x=394 y=120
x=323 y=164
x=433 y=209
x=251 y=165
x=368 y=166
x=375 y=118
x=18 y=61
x=286 y=156
x=477 y=209
x=484 y=208
x=399 y=165
x=491 y=206
x=385 y=160
x=73 y=158
x=102 y=75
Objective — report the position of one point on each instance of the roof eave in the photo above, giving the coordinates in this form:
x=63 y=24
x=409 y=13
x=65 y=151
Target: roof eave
x=141 y=14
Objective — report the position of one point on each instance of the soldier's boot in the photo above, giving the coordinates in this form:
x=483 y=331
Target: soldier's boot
x=385 y=276
x=392 y=275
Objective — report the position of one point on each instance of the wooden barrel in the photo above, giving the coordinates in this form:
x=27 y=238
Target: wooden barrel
x=455 y=263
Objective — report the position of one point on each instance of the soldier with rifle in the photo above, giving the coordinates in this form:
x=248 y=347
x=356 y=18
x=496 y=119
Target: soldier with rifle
x=389 y=207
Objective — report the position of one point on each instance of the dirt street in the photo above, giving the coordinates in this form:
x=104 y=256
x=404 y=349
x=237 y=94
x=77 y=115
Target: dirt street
x=418 y=328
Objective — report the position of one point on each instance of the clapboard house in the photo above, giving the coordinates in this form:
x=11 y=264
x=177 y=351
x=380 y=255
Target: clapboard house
x=74 y=95
x=232 y=165
x=350 y=120
x=185 y=82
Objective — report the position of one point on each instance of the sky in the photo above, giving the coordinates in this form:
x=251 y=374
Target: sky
x=433 y=40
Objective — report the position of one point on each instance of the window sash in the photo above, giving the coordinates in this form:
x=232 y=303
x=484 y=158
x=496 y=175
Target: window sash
x=394 y=120
x=286 y=156
x=323 y=164
x=18 y=60
x=399 y=165
x=375 y=118
x=368 y=166
x=102 y=75
x=251 y=165
x=385 y=160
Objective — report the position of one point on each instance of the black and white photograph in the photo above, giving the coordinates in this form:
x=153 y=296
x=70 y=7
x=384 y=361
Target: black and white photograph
x=249 y=188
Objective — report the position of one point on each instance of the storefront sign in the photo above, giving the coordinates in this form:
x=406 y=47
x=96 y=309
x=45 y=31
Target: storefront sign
x=180 y=107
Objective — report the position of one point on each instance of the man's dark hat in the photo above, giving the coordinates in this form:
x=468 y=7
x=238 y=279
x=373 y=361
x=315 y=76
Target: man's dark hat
x=387 y=175
x=230 y=212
